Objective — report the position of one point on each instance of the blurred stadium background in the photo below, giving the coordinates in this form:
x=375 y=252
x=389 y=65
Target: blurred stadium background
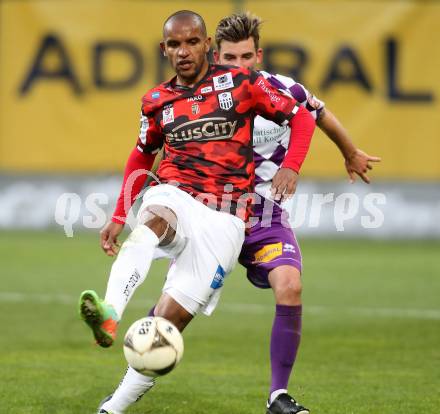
x=71 y=77
x=72 y=74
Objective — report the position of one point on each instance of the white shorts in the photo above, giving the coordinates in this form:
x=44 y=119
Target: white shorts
x=204 y=251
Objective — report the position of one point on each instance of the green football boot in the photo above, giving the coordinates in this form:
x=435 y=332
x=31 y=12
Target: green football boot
x=100 y=316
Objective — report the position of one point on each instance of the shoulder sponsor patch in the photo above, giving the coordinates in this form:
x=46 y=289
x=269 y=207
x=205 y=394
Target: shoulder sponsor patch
x=269 y=252
x=270 y=92
x=223 y=82
x=168 y=115
x=155 y=95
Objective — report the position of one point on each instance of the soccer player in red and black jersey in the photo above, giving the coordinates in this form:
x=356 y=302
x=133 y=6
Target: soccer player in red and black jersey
x=203 y=117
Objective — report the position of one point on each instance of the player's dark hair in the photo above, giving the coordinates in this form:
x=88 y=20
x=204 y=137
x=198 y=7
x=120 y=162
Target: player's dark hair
x=185 y=14
x=238 y=27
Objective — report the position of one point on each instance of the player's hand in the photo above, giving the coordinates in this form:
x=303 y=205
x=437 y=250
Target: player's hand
x=359 y=163
x=109 y=238
x=284 y=184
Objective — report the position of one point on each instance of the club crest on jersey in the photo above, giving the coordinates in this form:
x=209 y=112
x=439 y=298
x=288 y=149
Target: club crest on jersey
x=223 y=82
x=225 y=100
x=195 y=108
x=168 y=115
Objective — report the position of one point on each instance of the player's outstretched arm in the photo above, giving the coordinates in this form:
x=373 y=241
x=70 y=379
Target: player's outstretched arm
x=356 y=161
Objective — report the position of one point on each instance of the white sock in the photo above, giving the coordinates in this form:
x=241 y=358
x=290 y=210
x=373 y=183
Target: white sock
x=130 y=267
x=132 y=387
x=275 y=394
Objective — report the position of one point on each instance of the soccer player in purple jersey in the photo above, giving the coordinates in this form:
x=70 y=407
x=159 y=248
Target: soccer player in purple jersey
x=271 y=253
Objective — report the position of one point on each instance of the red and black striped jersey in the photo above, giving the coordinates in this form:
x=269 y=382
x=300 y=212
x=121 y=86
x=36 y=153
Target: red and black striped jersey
x=206 y=132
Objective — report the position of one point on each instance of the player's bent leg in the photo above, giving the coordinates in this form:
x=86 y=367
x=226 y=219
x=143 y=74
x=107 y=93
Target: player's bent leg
x=167 y=307
x=128 y=272
x=285 y=281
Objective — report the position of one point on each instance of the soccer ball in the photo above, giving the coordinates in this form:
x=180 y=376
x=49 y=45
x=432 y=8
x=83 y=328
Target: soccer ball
x=153 y=346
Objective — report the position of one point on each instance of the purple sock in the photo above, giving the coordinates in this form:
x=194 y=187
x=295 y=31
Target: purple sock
x=284 y=343
x=151 y=313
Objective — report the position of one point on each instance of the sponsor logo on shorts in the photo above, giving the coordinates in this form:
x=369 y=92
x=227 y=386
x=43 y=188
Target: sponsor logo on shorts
x=219 y=278
x=289 y=248
x=269 y=252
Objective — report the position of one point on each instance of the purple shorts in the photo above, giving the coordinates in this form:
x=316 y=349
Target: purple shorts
x=270 y=243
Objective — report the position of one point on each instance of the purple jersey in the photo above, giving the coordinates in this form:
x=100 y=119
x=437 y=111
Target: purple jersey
x=271 y=140
x=269 y=245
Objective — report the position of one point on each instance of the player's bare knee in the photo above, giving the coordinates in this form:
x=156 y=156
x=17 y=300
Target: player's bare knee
x=286 y=284
x=162 y=221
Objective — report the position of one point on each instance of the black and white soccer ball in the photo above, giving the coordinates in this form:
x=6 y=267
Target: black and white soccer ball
x=153 y=346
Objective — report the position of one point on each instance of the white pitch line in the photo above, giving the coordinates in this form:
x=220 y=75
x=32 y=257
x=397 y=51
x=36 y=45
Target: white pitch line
x=247 y=308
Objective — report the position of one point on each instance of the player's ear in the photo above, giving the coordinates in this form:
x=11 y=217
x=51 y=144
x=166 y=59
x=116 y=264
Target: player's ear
x=216 y=55
x=259 y=55
x=207 y=44
x=162 y=48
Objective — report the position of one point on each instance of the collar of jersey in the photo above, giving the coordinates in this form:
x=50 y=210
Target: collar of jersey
x=171 y=84
x=170 y=94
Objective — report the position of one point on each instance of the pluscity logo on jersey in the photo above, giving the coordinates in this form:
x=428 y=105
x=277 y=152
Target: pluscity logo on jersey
x=204 y=129
x=272 y=96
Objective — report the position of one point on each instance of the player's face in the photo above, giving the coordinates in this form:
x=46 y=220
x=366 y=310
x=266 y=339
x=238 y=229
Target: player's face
x=186 y=47
x=242 y=54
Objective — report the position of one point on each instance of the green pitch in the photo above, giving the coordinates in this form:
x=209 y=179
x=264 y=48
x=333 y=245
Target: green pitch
x=371 y=333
